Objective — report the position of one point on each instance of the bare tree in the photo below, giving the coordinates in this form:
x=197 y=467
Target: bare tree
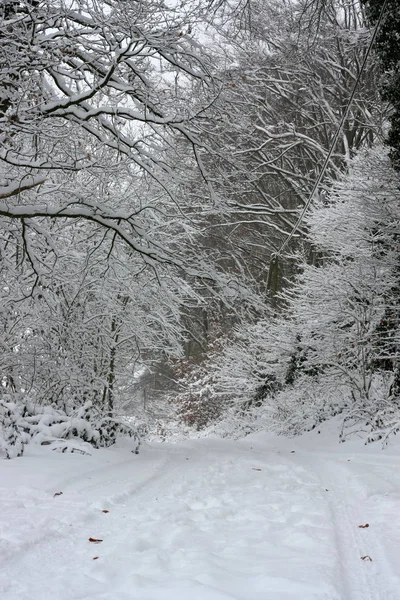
x=89 y=88
x=287 y=88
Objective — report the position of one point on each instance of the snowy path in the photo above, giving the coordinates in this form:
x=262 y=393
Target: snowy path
x=352 y=505
x=202 y=520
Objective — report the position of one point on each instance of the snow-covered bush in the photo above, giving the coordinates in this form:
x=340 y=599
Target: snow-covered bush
x=22 y=421
x=338 y=308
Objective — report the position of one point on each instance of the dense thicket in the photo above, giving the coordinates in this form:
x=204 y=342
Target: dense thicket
x=334 y=345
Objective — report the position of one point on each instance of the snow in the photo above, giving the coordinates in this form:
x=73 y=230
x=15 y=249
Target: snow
x=263 y=518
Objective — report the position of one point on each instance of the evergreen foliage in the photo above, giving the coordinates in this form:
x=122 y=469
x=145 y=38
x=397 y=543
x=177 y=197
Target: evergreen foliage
x=22 y=421
x=387 y=47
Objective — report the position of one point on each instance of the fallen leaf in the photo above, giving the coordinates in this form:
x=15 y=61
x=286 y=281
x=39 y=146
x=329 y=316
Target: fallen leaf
x=95 y=557
x=95 y=540
x=57 y=494
x=326 y=489
x=105 y=511
x=292 y=451
x=255 y=469
x=363 y=526
x=366 y=557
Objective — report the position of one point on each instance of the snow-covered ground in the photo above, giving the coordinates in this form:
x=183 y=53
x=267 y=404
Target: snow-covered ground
x=264 y=518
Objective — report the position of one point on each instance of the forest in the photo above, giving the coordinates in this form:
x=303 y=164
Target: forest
x=199 y=219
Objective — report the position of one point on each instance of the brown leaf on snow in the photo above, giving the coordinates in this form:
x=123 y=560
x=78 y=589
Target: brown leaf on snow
x=57 y=494
x=363 y=526
x=255 y=469
x=105 y=511
x=95 y=540
x=95 y=557
x=366 y=557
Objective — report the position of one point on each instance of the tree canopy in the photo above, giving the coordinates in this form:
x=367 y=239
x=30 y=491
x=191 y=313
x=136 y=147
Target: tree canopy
x=196 y=214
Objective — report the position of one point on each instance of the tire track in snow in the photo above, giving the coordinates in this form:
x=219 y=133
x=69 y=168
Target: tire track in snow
x=361 y=580
x=90 y=513
x=23 y=564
